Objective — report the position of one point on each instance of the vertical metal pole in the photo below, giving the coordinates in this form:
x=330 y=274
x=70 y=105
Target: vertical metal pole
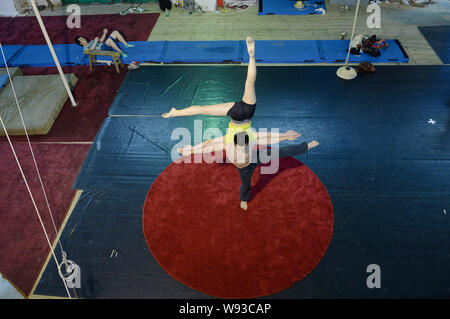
x=52 y=51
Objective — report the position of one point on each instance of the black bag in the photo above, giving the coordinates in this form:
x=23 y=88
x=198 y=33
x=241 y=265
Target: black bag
x=368 y=48
x=371 y=51
x=165 y=4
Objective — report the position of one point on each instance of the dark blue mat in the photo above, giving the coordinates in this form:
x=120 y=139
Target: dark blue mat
x=10 y=51
x=203 y=52
x=160 y=90
x=104 y=237
x=130 y=152
x=299 y=93
x=384 y=166
x=335 y=51
x=286 y=7
x=292 y=51
x=40 y=56
x=439 y=39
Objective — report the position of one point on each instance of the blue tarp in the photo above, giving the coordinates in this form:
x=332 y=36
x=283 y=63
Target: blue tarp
x=439 y=39
x=267 y=51
x=383 y=164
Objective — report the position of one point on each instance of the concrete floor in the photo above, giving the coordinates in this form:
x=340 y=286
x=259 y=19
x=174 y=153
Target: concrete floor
x=398 y=21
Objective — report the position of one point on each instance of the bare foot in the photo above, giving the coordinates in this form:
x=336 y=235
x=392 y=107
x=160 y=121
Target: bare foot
x=250 y=46
x=169 y=114
x=292 y=135
x=244 y=205
x=312 y=144
x=186 y=150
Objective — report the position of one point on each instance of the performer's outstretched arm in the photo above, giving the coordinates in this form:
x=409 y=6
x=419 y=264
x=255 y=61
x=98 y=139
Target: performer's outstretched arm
x=208 y=146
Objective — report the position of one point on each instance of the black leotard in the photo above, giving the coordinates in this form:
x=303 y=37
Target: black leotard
x=241 y=111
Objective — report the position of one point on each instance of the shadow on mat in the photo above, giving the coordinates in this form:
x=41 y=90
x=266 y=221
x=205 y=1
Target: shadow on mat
x=286 y=163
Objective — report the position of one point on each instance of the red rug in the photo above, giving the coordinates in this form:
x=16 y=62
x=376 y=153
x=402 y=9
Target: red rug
x=23 y=247
x=197 y=232
x=26 y=30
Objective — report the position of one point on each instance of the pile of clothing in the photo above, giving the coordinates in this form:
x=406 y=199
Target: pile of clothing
x=370 y=45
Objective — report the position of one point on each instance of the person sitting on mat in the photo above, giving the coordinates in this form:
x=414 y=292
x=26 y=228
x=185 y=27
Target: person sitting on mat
x=102 y=45
x=237 y=146
x=240 y=112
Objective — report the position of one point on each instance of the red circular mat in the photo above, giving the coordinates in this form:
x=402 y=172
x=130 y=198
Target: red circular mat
x=196 y=230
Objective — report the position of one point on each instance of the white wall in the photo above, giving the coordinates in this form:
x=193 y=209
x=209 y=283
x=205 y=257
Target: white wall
x=7 y=8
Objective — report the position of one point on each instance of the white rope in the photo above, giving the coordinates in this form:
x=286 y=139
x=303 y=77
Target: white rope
x=37 y=170
x=31 y=148
x=52 y=51
x=353 y=32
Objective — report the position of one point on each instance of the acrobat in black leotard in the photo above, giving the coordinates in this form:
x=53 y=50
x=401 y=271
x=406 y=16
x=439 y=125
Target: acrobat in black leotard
x=241 y=112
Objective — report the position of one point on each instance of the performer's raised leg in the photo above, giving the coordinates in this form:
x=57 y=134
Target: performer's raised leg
x=222 y=109
x=249 y=93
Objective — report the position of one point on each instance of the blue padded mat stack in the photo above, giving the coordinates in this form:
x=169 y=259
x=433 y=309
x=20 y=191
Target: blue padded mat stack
x=439 y=39
x=11 y=52
x=335 y=51
x=220 y=52
x=383 y=163
x=40 y=56
x=286 y=7
x=293 y=51
x=203 y=52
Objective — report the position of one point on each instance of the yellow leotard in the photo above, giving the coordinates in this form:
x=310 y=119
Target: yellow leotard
x=234 y=129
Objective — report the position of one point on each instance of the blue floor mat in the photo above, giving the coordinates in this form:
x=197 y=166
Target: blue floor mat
x=383 y=164
x=335 y=51
x=40 y=56
x=286 y=7
x=142 y=52
x=11 y=51
x=439 y=39
x=152 y=91
x=203 y=52
x=135 y=149
x=183 y=86
x=292 y=51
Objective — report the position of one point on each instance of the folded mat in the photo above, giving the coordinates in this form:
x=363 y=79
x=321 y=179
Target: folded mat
x=41 y=98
